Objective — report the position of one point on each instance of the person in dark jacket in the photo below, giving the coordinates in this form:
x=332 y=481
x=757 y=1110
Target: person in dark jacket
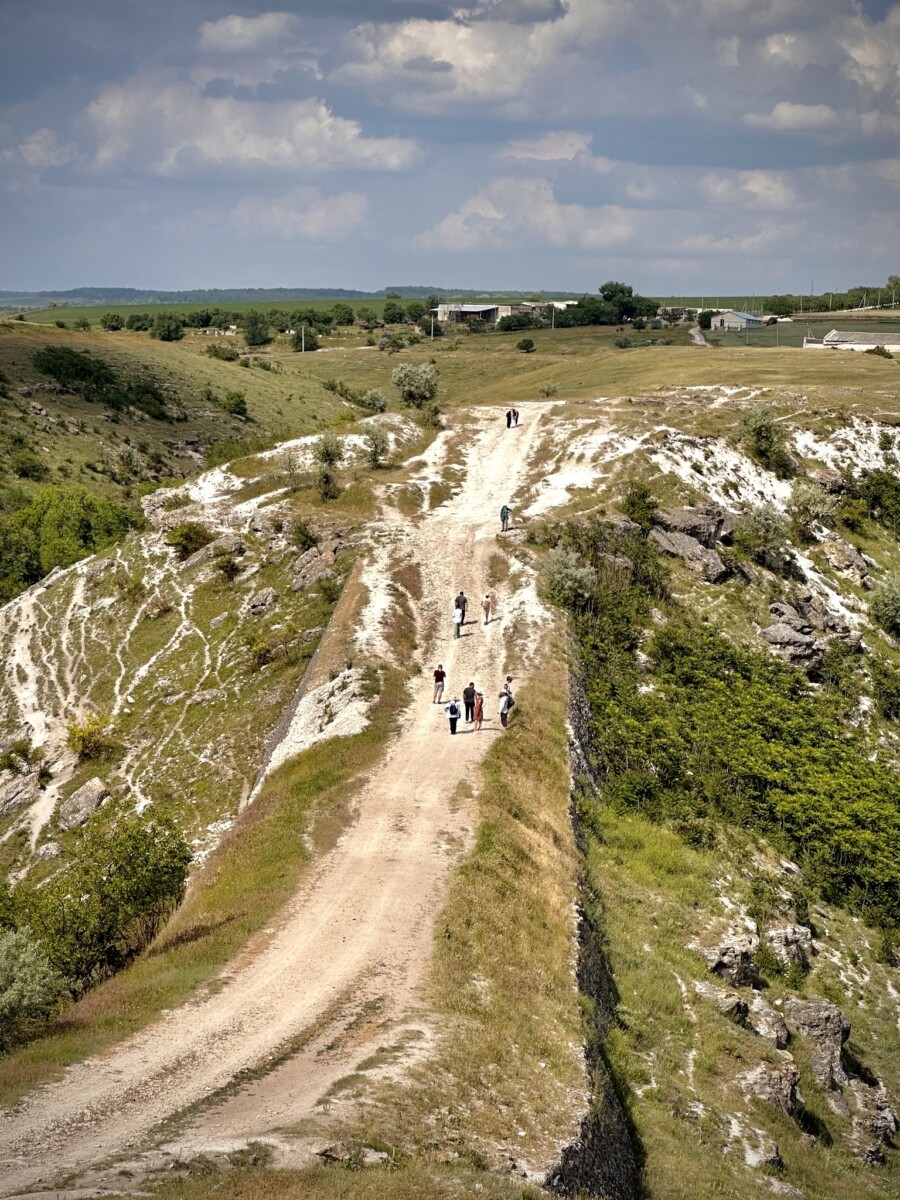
x=469 y=701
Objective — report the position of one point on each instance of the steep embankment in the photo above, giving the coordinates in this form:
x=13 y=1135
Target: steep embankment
x=360 y=932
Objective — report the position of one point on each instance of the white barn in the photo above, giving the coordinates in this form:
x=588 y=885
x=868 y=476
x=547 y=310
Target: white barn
x=842 y=340
x=734 y=321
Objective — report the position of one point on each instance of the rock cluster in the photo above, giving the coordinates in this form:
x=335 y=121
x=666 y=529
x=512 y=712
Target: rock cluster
x=691 y=535
x=800 y=632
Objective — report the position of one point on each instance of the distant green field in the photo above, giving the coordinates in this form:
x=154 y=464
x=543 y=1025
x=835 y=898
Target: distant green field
x=93 y=313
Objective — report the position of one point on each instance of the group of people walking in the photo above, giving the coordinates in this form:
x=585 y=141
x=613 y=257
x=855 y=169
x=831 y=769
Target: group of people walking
x=461 y=609
x=473 y=702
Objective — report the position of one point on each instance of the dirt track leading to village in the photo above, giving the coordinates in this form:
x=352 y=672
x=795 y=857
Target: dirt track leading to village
x=357 y=937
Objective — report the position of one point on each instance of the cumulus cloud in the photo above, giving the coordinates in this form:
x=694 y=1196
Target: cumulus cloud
x=303 y=214
x=45 y=149
x=173 y=129
x=788 y=117
x=526 y=213
x=240 y=35
x=754 y=189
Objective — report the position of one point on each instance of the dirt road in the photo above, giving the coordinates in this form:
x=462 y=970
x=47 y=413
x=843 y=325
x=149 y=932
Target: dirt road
x=357 y=938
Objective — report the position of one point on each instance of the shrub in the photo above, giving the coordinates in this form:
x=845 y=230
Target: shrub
x=377 y=445
x=25 y=464
x=92 y=737
x=189 y=537
x=60 y=324
x=566 y=580
x=328 y=450
x=886 y=689
x=515 y=322
x=326 y=481
x=526 y=345
x=623 y=342
x=303 y=535
x=92 y=918
x=29 y=987
x=639 y=323
x=704 y=319
x=416 y=383
x=639 y=504
x=138 y=321
x=767 y=441
x=811 y=505
x=227 y=566
x=256 y=328
x=879 y=351
x=373 y=401
x=392 y=342
x=112 y=321
x=235 y=403
x=82 y=324
x=763 y=535
x=547 y=390
x=884 y=603
x=226 y=353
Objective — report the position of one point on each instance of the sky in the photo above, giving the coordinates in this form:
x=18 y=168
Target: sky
x=683 y=146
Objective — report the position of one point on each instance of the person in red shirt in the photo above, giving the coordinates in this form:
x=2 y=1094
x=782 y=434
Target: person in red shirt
x=439 y=676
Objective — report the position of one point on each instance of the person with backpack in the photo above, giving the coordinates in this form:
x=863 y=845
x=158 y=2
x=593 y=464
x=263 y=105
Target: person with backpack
x=469 y=701
x=439 y=676
x=505 y=514
x=451 y=711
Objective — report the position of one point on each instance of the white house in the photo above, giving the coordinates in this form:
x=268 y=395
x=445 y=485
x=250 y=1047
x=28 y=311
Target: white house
x=732 y=320
x=838 y=340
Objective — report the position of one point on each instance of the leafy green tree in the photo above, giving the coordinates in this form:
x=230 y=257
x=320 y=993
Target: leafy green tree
x=342 y=314
x=167 y=327
x=138 y=321
x=83 y=324
x=372 y=400
x=415 y=311
x=377 y=445
x=639 y=504
x=112 y=321
x=394 y=313
x=526 y=345
x=305 y=341
x=198 y=318
x=366 y=315
x=417 y=383
x=95 y=916
x=256 y=328
x=704 y=319
x=781 y=306
x=30 y=988
x=514 y=322
x=763 y=534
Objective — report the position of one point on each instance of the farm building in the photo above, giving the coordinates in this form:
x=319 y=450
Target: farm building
x=732 y=320
x=838 y=340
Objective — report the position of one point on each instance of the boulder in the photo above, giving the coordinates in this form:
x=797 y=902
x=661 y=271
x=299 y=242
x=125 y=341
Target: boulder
x=219 y=620
x=622 y=524
x=827 y=1028
x=798 y=649
x=696 y=557
x=314 y=566
x=729 y=1004
x=786 y=614
x=261 y=601
x=87 y=799
x=48 y=850
x=761 y=1150
x=731 y=958
x=702 y=524
x=17 y=790
x=773 y=1084
x=767 y=1022
x=845 y=559
x=792 y=945
x=336 y=1153
x=816 y=613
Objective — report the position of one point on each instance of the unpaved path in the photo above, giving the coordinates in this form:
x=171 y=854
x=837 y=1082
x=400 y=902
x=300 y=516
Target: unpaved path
x=357 y=938
x=697 y=338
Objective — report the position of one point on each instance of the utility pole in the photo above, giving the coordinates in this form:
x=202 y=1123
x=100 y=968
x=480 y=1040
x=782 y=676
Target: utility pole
x=302 y=339
x=432 y=326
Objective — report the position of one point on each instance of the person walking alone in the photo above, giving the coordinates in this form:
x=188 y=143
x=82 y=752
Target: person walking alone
x=463 y=603
x=479 y=710
x=469 y=701
x=457 y=620
x=439 y=676
x=506 y=702
x=505 y=514
x=451 y=711
x=486 y=607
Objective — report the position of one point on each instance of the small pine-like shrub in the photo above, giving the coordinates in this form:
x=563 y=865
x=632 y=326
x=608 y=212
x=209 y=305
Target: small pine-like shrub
x=92 y=737
x=377 y=445
x=884 y=605
x=189 y=537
